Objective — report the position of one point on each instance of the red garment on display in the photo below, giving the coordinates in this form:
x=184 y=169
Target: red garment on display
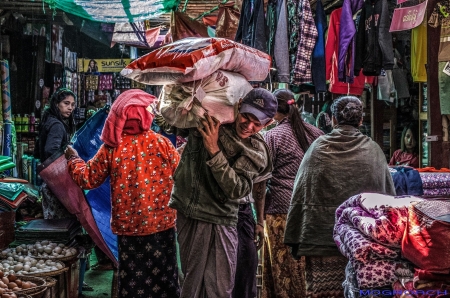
x=400 y=158
x=331 y=59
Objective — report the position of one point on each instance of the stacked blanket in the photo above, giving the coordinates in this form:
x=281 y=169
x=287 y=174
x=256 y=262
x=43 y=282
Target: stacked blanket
x=368 y=231
x=435 y=184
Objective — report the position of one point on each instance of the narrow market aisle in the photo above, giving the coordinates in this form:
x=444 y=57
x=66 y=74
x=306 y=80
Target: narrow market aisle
x=99 y=280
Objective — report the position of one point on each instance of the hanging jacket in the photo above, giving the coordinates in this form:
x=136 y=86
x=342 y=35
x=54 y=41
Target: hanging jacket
x=294 y=17
x=318 y=56
x=281 y=46
x=419 y=52
x=374 y=49
x=252 y=27
x=347 y=42
x=279 y=49
x=307 y=41
x=331 y=57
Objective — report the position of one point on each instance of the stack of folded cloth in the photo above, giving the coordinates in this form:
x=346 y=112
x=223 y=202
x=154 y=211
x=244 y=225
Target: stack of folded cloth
x=14 y=194
x=368 y=231
x=436 y=183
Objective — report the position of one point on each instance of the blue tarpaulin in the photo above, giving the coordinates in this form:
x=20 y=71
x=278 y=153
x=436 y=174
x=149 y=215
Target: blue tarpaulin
x=87 y=142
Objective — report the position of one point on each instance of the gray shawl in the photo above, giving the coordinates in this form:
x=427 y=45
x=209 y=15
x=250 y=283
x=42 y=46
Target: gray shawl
x=337 y=166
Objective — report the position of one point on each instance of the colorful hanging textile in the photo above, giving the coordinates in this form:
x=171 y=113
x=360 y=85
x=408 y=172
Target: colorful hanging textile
x=115 y=11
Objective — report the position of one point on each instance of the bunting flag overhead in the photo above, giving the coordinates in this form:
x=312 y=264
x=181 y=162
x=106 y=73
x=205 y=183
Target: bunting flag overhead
x=115 y=11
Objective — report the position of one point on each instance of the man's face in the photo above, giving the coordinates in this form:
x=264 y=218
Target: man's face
x=247 y=125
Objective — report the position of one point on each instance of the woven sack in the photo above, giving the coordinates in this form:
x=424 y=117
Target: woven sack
x=183 y=105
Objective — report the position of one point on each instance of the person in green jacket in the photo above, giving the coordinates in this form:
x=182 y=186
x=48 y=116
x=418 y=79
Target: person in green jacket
x=217 y=168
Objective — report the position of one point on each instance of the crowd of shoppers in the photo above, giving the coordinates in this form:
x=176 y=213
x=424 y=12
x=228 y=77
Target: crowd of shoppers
x=230 y=188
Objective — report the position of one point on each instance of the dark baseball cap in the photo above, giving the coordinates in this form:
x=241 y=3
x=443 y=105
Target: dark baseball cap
x=261 y=103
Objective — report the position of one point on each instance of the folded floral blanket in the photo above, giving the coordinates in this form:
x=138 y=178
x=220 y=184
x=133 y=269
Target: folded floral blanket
x=380 y=218
x=368 y=230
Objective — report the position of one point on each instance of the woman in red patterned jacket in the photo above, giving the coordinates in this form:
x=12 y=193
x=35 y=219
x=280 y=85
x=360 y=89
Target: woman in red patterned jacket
x=140 y=164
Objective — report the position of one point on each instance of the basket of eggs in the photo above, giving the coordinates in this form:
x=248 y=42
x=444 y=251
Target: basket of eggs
x=17 y=285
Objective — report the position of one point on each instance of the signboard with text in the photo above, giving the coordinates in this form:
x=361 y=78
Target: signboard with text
x=102 y=65
x=407 y=18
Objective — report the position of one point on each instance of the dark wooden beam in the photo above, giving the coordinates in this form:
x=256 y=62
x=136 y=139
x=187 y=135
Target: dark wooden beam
x=376 y=118
x=434 y=110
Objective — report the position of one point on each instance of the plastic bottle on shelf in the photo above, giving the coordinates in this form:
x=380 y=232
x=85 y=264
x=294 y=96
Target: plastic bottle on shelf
x=25 y=123
x=37 y=121
x=16 y=120
x=32 y=122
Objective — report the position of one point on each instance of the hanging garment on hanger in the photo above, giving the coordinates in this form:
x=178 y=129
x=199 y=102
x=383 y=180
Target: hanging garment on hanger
x=400 y=79
x=294 y=16
x=374 y=49
x=281 y=47
x=419 y=52
x=252 y=25
x=271 y=25
x=331 y=57
x=182 y=26
x=227 y=20
x=318 y=56
x=444 y=89
x=308 y=37
x=386 y=86
x=347 y=40
x=444 y=46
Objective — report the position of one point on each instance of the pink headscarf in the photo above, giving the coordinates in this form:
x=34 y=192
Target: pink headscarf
x=128 y=114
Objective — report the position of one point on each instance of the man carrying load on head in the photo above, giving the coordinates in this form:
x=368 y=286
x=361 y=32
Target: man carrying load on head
x=217 y=168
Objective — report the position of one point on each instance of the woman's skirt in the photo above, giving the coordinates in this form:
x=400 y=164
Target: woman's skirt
x=148 y=266
x=324 y=276
x=283 y=276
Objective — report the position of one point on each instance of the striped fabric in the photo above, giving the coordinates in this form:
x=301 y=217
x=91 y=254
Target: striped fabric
x=286 y=156
x=308 y=37
x=324 y=276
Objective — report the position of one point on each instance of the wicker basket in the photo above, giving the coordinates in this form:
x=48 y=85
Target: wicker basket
x=38 y=294
x=49 y=273
x=40 y=282
x=63 y=259
x=50 y=282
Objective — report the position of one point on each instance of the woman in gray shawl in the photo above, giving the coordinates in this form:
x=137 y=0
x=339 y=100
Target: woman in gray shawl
x=337 y=166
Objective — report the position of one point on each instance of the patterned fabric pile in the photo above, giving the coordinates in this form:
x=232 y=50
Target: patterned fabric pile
x=435 y=184
x=368 y=231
